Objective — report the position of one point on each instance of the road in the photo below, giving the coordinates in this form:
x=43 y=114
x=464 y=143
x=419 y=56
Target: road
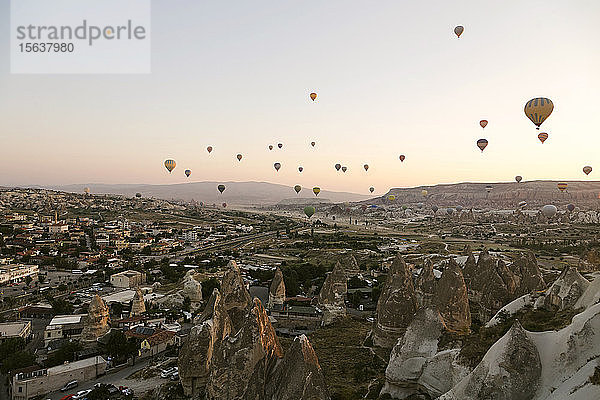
x=118 y=379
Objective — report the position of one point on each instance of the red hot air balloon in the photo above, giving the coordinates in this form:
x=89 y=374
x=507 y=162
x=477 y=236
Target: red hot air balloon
x=482 y=144
x=209 y=149
x=402 y=157
x=313 y=144
x=224 y=205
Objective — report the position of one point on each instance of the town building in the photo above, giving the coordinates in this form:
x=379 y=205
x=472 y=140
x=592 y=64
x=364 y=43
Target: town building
x=12 y=273
x=64 y=326
x=9 y=330
x=128 y=279
x=33 y=383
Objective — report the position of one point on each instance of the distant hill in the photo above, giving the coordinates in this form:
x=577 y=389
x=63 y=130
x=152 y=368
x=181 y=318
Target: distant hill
x=509 y=194
x=240 y=193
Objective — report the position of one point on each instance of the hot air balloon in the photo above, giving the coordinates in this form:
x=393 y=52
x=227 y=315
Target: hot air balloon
x=482 y=144
x=344 y=169
x=570 y=207
x=297 y=188
x=221 y=188
x=424 y=193
x=371 y=189
x=338 y=166
x=86 y=190
x=562 y=186
x=518 y=178
x=587 y=169
x=224 y=205
x=309 y=211
x=538 y=109
x=277 y=166
x=170 y=165
x=239 y=157
x=459 y=208
x=138 y=195
x=188 y=172
x=543 y=136
x=280 y=145
x=483 y=123
x=391 y=197
x=434 y=208
x=404 y=207
x=402 y=157
x=449 y=211
x=522 y=204
x=549 y=210
x=313 y=144
x=366 y=167
x=209 y=149
x=459 y=30
x=313 y=96
x=316 y=190
x=300 y=169
x=488 y=188
x=270 y=147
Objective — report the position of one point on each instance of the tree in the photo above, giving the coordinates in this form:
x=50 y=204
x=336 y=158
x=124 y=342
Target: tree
x=120 y=347
x=65 y=353
x=28 y=280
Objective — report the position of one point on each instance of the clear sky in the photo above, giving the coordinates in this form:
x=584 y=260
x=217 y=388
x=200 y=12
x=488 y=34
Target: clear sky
x=391 y=76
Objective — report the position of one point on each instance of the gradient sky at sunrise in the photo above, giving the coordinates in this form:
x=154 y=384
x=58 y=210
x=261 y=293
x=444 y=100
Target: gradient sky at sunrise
x=391 y=76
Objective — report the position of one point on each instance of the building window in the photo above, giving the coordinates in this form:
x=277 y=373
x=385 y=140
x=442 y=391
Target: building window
x=20 y=389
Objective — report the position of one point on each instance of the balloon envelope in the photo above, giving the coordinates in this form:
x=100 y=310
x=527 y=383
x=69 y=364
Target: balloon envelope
x=316 y=190
x=570 y=207
x=459 y=208
x=138 y=195
x=459 y=30
x=538 y=109
x=522 y=204
x=424 y=192
x=188 y=172
x=224 y=205
x=549 y=210
x=449 y=211
x=270 y=147
x=170 y=165
x=239 y=157
x=309 y=211
x=434 y=208
x=313 y=144
x=391 y=197
x=371 y=189
x=300 y=169
x=366 y=167
x=483 y=123
x=482 y=144
x=518 y=178
x=488 y=188
x=297 y=188
x=280 y=145
x=221 y=188
x=209 y=149
x=543 y=136
x=587 y=169
x=277 y=166
x=402 y=157
x=338 y=166
x=313 y=96
x=344 y=169
x=562 y=186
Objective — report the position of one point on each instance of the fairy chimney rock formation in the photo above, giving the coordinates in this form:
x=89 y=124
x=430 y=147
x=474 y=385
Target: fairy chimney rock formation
x=97 y=321
x=138 y=307
x=193 y=290
x=277 y=291
x=396 y=306
x=332 y=296
x=425 y=285
x=452 y=300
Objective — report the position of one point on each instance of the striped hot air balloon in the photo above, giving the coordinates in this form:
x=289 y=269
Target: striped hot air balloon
x=316 y=190
x=170 y=165
x=482 y=144
x=587 y=169
x=543 y=136
x=562 y=186
x=538 y=109
x=483 y=123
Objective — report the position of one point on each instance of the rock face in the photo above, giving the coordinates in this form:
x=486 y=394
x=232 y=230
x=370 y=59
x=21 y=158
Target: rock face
x=452 y=301
x=236 y=297
x=396 y=306
x=510 y=370
x=565 y=291
x=331 y=298
x=138 y=307
x=277 y=291
x=425 y=285
x=193 y=290
x=350 y=265
x=98 y=320
x=299 y=375
x=241 y=363
x=529 y=276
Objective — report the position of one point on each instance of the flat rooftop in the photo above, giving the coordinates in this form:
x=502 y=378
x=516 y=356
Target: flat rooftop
x=67 y=319
x=10 y=329
x=72 y=366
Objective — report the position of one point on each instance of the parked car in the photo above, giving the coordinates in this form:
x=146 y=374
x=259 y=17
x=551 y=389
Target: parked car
x=69 y=386
x=67 y=397
x=168 y=372
x=81 y=394
x=175 y=376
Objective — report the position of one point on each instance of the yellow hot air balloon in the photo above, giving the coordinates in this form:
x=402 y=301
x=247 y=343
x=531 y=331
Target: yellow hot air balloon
x=316 y=190
x=170 y=165
x=313 y=96
x=538 y=109
x=459 y=30
x=587 y=169
x=424 y=192
x=391 y=197
x=562 y=186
